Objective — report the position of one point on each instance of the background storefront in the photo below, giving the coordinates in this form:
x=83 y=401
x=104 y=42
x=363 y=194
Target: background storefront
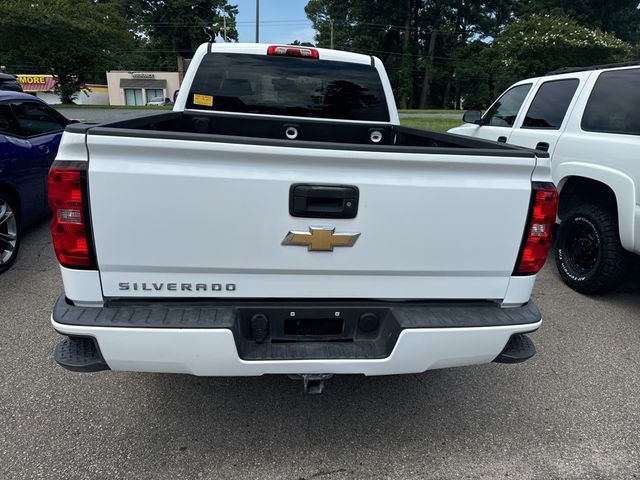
x=138 y=88
x=42 y=86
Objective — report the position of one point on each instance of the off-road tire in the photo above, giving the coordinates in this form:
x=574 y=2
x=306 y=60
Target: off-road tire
x=588 y=252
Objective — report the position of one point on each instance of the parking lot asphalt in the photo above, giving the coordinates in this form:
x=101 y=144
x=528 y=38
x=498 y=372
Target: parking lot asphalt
x=573 y=411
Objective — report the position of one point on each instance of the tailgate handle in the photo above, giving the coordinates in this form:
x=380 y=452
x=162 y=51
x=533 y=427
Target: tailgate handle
x=323 y=201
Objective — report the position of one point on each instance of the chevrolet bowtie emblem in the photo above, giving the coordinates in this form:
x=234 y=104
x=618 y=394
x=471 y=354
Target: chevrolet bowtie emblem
x=321 y=239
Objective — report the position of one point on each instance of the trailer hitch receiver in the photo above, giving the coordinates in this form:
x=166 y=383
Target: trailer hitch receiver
x=313 y=383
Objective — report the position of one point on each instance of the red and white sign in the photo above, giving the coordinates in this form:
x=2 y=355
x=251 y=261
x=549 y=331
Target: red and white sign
x=36 y=83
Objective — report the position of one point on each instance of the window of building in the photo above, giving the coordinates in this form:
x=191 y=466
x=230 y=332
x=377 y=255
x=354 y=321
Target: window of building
x=154 y=93
x=133 y=96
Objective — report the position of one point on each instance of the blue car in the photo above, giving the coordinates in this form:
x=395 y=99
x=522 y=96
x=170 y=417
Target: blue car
x=30 y=133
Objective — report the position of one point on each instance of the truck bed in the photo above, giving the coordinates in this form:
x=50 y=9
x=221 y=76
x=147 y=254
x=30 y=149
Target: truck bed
x=250 y=129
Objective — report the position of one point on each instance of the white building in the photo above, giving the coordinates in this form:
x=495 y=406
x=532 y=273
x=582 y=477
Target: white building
x=138 y=88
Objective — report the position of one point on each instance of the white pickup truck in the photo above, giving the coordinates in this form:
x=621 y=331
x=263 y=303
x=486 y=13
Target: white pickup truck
x=588 y=119
x=280 y=221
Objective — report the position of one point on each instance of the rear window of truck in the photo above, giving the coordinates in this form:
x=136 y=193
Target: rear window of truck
x=291 y=86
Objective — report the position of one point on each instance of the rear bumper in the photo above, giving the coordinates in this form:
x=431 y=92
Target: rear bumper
x=210 y=338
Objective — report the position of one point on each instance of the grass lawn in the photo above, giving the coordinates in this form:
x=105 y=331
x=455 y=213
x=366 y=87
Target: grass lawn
x=417 y=110
x=437 y=124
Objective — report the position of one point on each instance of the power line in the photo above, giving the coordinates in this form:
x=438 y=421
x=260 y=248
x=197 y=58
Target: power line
x=309 y=22
x=244 y=22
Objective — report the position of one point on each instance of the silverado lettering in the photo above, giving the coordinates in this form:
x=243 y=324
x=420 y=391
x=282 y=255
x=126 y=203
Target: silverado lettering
x=185 y=287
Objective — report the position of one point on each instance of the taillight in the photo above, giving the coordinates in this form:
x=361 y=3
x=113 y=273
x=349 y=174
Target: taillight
x=537 y=240
x=69 y=227
x=293 y=51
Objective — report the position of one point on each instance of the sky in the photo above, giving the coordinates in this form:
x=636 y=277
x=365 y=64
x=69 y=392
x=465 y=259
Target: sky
x=281 y=21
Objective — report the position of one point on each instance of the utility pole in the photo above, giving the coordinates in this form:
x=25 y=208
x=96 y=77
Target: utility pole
x=180 y=69
x=257 y=21
x=331 y=23
x=224 y=28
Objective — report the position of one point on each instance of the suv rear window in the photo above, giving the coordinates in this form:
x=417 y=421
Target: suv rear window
x=550 y=104
x=300 y=87
x=614 y=104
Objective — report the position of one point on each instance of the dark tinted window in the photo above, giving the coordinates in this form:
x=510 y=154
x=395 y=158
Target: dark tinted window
x=503 y=113
x=614 y=104
x=300 y=87
x=7 y=122
x=550 y=104
x=36 y=119
x=9 y=82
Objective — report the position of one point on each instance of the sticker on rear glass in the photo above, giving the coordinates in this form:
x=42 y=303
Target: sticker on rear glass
x=206 y=100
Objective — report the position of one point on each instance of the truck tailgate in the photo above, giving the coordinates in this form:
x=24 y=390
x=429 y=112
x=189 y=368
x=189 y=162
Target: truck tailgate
x=181 y=218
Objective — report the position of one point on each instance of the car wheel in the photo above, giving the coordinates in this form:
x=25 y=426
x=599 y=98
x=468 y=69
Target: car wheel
x=588 y=252
x=9 y=232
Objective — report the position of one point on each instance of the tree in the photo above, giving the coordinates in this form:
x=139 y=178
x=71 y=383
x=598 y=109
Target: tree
x=178 y=27
x=75 y=40
x=302 y=44
x=619 y=17
x=381 y=28
x=439 y=52
x=322 y=13
x=471 y=79
x=535 y=45
x=421 y=42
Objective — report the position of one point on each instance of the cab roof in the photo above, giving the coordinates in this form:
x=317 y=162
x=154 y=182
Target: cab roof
x=261 y=49
x=594 y=67
x=10 y=95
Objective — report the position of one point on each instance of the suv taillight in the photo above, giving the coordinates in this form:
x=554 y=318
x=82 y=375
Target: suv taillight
x=537 y=237
x=69 y=228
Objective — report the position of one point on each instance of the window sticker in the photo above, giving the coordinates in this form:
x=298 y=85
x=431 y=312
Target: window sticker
x=206 y=100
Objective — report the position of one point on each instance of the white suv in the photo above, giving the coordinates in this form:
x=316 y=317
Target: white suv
x=589 y=121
